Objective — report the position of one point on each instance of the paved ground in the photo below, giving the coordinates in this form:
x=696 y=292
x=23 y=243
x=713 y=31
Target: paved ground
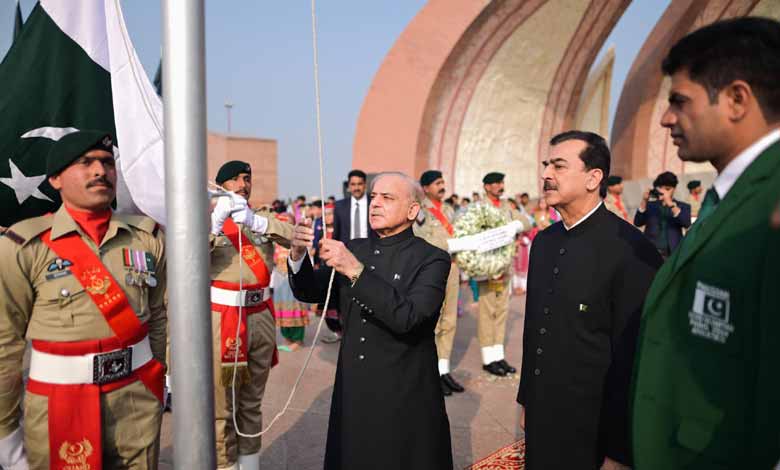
x=482 y=419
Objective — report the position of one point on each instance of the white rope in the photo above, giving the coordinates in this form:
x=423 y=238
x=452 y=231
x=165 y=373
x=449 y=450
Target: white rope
x=324 y=231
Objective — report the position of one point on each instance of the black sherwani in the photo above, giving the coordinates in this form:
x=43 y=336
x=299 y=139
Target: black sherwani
x=586 y=288
x=387 y=410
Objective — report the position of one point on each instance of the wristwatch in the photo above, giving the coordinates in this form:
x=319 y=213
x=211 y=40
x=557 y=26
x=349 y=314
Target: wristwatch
x=353 y=279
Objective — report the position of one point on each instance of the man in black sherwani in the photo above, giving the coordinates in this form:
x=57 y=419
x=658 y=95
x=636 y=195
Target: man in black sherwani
x=387 y=410
x=587 y=281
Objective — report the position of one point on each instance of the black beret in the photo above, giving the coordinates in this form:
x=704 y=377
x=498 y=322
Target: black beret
x=429 y=177
x=612 y=180
x=493 y=177
x=693 y=184
x=232 y=169
x=72 y=146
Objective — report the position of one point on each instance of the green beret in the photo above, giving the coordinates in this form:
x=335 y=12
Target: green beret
x=693 y=184
x=72 y=146
x=612 y=180
x=232 y=169
x=429 y=177
x=493 y=177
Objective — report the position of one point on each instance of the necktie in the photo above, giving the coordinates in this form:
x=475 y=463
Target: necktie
x=708 y=206
x=356 y=222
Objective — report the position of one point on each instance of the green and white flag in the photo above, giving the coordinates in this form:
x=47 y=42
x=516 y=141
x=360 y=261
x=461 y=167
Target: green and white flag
x=74 y=67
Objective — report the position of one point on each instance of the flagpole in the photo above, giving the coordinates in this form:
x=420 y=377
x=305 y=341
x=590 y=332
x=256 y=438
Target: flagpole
x=187 y=233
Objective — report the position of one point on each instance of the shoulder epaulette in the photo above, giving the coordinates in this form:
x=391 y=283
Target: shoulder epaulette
x=23 y=232
x=147 y=224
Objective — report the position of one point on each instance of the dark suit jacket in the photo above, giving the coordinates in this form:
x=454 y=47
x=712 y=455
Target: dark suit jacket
x=342 y=225
x=387 y=411
x=651 y=220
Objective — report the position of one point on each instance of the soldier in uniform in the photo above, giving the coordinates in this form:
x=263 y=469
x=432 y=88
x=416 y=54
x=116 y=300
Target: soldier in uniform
x=614 y=199
x=86 y=286
x=241 y=278
x=435 y=226
x=694 y=191
x=494 y=294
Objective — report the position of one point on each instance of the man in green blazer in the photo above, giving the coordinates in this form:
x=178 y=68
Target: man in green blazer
x=706 y=391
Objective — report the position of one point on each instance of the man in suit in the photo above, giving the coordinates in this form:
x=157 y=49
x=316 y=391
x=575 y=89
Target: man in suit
x=351 y=214
x=588 y=277
x=705 y=388
x=387 y=411
x=663 y=217
x=614 y=199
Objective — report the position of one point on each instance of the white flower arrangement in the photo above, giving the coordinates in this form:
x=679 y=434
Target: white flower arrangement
x=489 y=264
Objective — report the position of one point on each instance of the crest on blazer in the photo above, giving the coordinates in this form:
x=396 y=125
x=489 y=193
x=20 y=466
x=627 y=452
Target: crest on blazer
x=710 y=314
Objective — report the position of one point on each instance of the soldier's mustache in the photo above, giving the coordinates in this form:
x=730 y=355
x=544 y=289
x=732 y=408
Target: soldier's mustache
x=100 y=182
x=549 y=186
x=442 y=191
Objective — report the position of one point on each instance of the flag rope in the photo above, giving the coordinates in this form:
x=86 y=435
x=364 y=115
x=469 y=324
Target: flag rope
x=324 y=230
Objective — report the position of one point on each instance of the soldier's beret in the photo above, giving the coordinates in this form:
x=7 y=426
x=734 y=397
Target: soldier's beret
x=693 y=184
x=493 y=177
x=429 y=177
x=72 y=146
x=232 y=169
x=612 y=180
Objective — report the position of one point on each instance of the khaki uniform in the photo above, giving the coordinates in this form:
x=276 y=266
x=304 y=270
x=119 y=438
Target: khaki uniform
x=36 y=305
x=261 y=331
x=610 y=202
x=695 y=206
x=432 y=231
x=494 y=296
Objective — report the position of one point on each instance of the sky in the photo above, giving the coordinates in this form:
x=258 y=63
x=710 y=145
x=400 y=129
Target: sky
x=259 y=57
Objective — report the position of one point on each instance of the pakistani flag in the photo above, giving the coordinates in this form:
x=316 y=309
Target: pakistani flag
x=74 y=67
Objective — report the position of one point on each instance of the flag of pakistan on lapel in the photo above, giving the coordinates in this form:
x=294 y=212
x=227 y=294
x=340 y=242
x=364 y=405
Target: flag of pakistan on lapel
x=55 y=79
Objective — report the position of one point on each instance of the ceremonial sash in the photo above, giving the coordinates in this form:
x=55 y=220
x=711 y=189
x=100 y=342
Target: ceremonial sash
x=74 y=410
x=442 y=219
x=230 y=345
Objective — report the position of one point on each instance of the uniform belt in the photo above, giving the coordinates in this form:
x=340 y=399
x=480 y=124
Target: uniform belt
x=239 y=298
x=92 y=368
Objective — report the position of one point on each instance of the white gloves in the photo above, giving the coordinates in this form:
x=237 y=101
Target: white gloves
x=12 y=456
x=235 y=206
x=516 y=225
x=255 y=223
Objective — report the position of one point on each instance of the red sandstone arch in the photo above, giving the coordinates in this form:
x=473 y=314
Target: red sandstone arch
x=634 y=131
x=411 y=118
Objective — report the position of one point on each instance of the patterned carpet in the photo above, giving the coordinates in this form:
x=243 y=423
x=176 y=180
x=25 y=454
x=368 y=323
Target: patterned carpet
x=511 y=457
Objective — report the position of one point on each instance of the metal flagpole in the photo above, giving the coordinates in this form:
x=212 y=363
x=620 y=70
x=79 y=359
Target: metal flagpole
x=187 y=233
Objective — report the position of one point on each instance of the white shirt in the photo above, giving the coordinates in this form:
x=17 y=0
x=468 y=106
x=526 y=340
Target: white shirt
x=584 y=218
x=363 y=229
x=733 y=170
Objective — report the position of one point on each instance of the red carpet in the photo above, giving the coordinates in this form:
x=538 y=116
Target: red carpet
x=511 y=457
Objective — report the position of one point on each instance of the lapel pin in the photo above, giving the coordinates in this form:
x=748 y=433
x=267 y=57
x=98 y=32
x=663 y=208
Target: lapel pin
x=583 y=308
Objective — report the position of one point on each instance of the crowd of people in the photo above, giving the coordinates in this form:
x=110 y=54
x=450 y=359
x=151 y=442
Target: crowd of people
x=652 y=348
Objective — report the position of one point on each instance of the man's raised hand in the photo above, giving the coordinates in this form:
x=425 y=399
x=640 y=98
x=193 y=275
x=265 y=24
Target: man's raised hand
x=302 y=239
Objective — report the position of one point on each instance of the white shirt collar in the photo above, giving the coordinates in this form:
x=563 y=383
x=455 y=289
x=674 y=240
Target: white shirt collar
x=584 y=218
x=362 y=200
x=736 y=167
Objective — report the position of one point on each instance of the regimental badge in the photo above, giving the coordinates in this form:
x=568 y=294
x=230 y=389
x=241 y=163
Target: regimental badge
x=710 y=314
x=249 y=254
x=232 y=347
x=59 y=264
x=94 y=284
x=107 y=142
x=76 y=454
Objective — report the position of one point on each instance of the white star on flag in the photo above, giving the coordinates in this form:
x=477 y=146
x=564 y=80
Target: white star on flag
x=24 y=186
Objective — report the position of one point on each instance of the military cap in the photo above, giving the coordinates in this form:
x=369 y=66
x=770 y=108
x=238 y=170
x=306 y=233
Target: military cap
x=693 y=184
x=72 y=146
x=493 y=177
x=429 y=177
x=232 y=169
x=612 y=180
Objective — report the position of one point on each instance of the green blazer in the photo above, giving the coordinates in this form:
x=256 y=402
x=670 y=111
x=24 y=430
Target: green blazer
x=706 y=390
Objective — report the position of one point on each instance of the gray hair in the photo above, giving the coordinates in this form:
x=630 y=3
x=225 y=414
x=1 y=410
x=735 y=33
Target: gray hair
x=416 y=193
